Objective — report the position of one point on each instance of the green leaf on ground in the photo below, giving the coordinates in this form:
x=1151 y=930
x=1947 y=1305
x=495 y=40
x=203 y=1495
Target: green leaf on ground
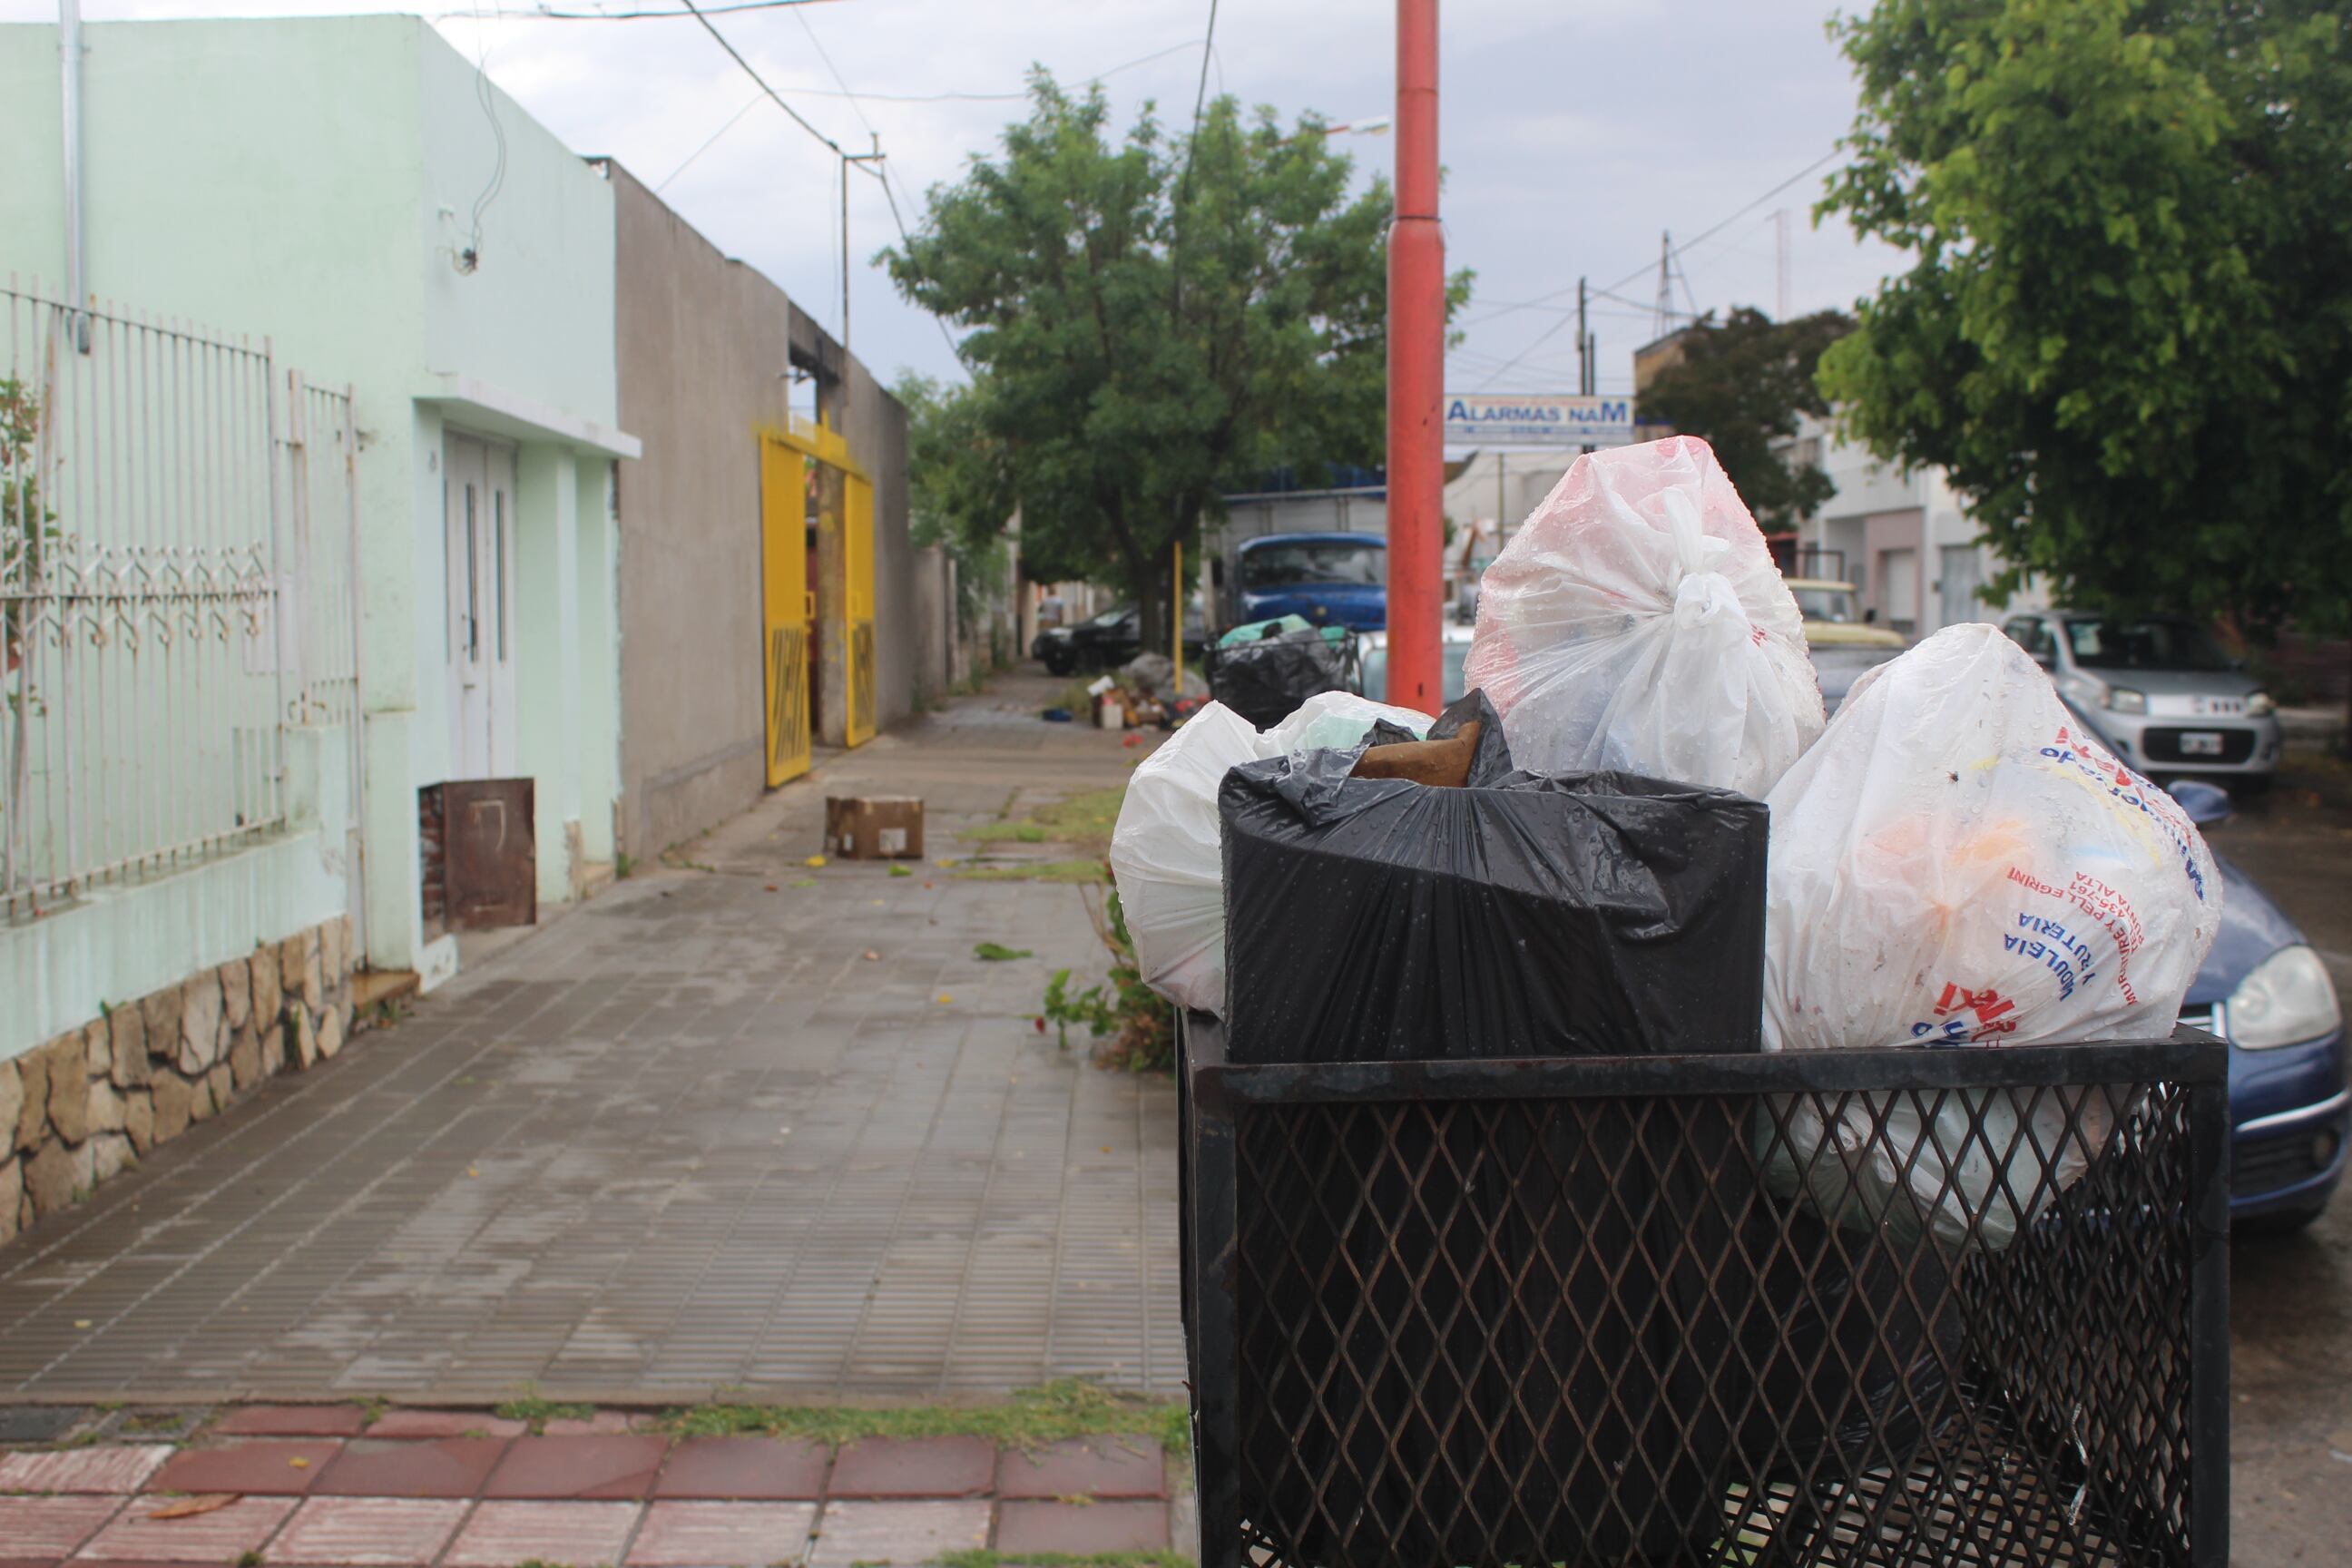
x=900 y=871
x=1085 y=820
x=1028 y=1419
x=996 y=952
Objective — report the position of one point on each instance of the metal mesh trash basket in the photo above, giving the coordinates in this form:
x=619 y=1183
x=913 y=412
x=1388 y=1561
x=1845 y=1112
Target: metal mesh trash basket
x=1574 y=1310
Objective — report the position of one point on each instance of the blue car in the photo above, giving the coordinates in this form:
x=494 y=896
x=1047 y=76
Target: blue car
x=2268 y=993
x=1329 y=579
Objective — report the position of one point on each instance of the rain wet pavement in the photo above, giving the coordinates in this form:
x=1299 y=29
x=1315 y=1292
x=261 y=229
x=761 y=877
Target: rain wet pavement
x=750 y=1127
x=2291 y=1297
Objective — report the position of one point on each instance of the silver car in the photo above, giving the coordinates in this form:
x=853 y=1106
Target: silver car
x=2160 y=692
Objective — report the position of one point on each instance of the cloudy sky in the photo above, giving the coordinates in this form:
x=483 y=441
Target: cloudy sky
x=1574 y=134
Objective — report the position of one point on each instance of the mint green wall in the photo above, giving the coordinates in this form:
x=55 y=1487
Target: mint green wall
x=310 y=180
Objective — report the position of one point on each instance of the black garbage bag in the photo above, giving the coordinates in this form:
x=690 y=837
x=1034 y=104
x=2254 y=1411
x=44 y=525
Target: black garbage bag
x=1377 y=920
x=1265 y=681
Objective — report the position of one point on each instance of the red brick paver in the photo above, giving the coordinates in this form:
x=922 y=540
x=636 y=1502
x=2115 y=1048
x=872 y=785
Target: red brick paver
x=501 y=1534
x=750 y=1468
x=264 y=1467
x=914 y=1467
x=367 y=1532
x=389 y=1468
x=291 y=1421
x=118 y=1469
x=1026 y=1526
x=444 y=1424
x=577 y=1468
x=849 y=1533
x=46 y=1528
x=1084 y=1467
x=221 y=1536
x=722 y=1535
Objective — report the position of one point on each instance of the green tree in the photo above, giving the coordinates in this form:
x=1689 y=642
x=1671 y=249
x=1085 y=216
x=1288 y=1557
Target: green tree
x=1740 y=384
x=2126 y=330
x=1143 y=336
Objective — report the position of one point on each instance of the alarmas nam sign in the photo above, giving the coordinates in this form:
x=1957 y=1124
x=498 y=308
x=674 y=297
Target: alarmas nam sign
x=1480 y=419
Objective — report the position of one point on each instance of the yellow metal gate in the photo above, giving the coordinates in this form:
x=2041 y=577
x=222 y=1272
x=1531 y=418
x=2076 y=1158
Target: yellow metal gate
x=857 y=567
x=783 y=533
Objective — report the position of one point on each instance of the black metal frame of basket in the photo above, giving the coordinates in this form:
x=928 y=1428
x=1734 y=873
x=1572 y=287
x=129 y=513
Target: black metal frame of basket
x=2065 y=1399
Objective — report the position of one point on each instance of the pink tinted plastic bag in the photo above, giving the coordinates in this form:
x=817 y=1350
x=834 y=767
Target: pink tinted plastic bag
x=1636 y=621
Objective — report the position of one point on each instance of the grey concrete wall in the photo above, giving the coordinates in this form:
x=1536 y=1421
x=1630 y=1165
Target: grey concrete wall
x=876 y=424
x=703 y=341
x=705 y=346
x=934 y=621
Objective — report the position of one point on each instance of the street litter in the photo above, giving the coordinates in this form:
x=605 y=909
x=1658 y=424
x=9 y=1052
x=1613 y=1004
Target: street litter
x=1636 y=622
x=997 y=952
x=1428 y=898
x=1164 y=851
x=1956 y=863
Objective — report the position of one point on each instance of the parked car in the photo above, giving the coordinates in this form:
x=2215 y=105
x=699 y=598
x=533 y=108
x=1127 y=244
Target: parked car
x=1107 y=641
x=2158 y=692
x=1329 y=579
x=1453 y=650
x=2265 y=991
x=1833 y=616
x=1838 y=665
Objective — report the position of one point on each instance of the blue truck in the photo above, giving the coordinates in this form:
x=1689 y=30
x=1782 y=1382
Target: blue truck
x=1328 y=579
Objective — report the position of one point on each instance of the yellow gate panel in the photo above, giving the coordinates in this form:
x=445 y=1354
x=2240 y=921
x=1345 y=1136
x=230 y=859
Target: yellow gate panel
x=857 y=563
x=783 y=539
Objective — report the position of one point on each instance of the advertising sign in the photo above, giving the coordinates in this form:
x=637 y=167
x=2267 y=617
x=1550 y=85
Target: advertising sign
x=1505 y=419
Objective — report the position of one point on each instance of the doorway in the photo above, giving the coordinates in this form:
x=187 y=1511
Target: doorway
x=1898 y=589
x=479 y=526
x=1960 y=578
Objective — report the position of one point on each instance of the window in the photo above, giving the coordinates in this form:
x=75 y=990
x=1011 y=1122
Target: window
x=499 y=544
x=1287 y=565
x=2032 y=635
x=2098 y=643
x=1834 y=605
x=473 y=584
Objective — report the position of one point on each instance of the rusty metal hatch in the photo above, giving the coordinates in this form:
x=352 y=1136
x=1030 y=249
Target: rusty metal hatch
x=490 y=853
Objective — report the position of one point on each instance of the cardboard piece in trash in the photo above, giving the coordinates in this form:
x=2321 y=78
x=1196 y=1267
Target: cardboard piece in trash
x=874 y=826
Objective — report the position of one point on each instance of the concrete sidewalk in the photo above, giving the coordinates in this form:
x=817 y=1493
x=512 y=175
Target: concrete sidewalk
x=687 y=1141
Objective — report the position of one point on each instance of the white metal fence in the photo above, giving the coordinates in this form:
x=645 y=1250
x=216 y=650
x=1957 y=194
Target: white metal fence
x=178 y=582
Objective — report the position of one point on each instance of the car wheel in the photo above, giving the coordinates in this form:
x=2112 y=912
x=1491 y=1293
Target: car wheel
x=1058 y=666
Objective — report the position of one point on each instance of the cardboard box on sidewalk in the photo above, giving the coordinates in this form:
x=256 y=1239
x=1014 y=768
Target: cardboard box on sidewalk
x=874 y=826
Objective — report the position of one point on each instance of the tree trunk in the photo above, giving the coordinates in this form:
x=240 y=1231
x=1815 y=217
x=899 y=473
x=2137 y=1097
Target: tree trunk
x=1154 y=596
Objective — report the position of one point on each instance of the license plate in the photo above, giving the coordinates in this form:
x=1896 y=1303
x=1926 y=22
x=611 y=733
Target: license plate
x=2201 y=742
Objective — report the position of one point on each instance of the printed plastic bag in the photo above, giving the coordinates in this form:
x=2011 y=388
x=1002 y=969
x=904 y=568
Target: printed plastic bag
x=1636 y=621
x=1956 y=864
x=1164 y=851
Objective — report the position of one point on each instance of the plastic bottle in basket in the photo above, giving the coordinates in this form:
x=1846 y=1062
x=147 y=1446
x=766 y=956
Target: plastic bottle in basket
x=1636 y=621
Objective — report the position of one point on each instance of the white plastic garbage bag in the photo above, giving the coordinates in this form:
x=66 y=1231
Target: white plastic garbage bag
x=1636 y=621
x=1164 y=851
x=1956 y=864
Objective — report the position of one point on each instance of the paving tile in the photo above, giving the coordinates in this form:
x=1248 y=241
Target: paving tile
x=223 y=1535
x=722 y=1535
x=578 y=1534
x=404 y=1467
x=744 y=1467
x=258 y=1467
x=610 y=1467
x=291 y=1421
x=598 y=1424
x=368 y=1532
x=1032 y=1526
x=1084 y=1467
x=850 y=1533
x=425 y=1424
x=116 y=1469
x=914 y=1467
x=46 y=1528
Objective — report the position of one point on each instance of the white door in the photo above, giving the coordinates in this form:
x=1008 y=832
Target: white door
x=477 y=498
x=1962 y=576
x=1898 y=589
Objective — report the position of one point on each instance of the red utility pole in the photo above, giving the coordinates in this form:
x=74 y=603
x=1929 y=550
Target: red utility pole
x=1416 y=374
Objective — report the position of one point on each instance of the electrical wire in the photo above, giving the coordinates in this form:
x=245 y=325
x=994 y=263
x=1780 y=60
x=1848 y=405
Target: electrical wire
x=541 y=14
x=471 y=256
x=798 y=118
x=835 y=72
x=1199 y=101
x=756 y=100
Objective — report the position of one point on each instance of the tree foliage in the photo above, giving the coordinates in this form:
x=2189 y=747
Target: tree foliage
x=1142 y=338
x=2127 y=330
x=1741 y=384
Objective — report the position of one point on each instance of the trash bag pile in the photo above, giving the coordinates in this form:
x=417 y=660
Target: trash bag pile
x=1265 y=670
x=1636 y=622
x=1164 y=851
x=1956 y=864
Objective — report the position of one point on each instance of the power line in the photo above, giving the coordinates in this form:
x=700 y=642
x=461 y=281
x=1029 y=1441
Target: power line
x=834 y=71
x=798 y=118
x=1200 y=98
x=541 y=14
x=751 y=104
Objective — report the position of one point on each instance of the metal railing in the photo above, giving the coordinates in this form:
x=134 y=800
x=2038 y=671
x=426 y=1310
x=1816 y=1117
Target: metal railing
x=177 y=589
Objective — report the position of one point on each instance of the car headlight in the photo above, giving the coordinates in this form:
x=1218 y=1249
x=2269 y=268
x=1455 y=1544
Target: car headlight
x=2124 y=699
x=2287 y=999
x=2259 y=706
